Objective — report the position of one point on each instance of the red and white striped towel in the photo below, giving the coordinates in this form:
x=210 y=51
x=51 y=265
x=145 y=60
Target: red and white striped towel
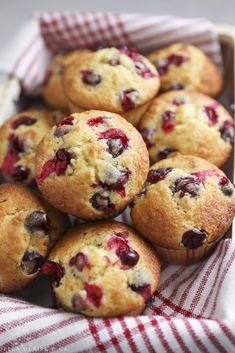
x=193 y=309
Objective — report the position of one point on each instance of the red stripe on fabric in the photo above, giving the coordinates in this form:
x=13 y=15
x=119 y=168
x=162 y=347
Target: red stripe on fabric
x=142 y=28
x=102 y=31
x=205 y=279
x=16 y=308
x=115 y=39
x=212 y=337
x=124 y=33
x=178 y=338
x=32 y=336
x=145 y=337
x=227 y=267
x=25 y=52
x=95 y=335
x=228 y=333
x=185 y=294
x=76 y=338
x=171 y=278
x=127 y=333
x=213 y=286
x=30 y=66
x=179 y=286
x=112 y=336
x=161 y=335
x=195 y=336
x=8 y=299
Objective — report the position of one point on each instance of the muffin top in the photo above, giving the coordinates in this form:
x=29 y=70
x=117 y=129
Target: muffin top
x=183 y=66
x=52 y=91
x=91 y=164
x=103 y=269
x=186 y=203
x=19 y=137
x=116 y=80
x=188 y=123
x=28 y=228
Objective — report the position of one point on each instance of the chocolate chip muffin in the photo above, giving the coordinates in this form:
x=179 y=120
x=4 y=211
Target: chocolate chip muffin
x=28 y=229
x=52 y=91
x=187 y=205
x=92 y=164
x=19 y=137
x=116 y=80
x=189 y=123
x=183 y=66
x=103 y=270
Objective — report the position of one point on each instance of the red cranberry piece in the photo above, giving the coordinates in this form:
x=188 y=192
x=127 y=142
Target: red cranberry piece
x=178 y=101
x=95 y=121
x=176 y=86
x=123 y=235
x=78 y=303
x=15 y=144
x=20 y=173
x=168 y=121
x=129 y=98
x=148 y=136
x=227 y=132
x=129 y=257
x=143 y=70
x=166 y=152
x=211 y=114
x=15 y=147
x=23 y=120
x=58 y=165
x=173 y=59
x=54 y=269
x=38 y=221
x=193 y=238
x=80 y=261
x=115 y=147
x=117 y=141
x=102 y=203
x=68 y=120
x=119 y=185
x=90 y=78
x=202 y=175
x=188 y=185
x=60 y=131
x=156 y=175
x=31 y=262
x=144 y=290
x=226 y=186
x=130 y=52
x=94 y=294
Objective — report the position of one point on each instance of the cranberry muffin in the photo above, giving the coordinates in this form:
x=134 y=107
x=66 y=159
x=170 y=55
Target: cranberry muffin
x=52 y=91
x=92 y=164
x=28 y=229
x=183 y=66
x=103 y=270
x=187 y=205
x=19 y=137
x=189 y=123
x=116 y=80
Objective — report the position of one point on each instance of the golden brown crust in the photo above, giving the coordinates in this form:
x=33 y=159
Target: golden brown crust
x=92 y=165
x=106 y=269
x=194 y=132
x=163 y=215
x=114 y=80
x=189 y=67
x=16 y=203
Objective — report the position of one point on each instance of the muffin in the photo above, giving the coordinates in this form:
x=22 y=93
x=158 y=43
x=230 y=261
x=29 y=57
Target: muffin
x=103 y=270
x=183 y=66
x=189 y=123
x=116 y=80
x=187 y=205
x=91 y=165
x=19 y=137
x=52 y=91
x=28 y=229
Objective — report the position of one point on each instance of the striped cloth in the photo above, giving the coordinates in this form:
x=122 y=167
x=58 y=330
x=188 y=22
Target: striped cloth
x=193 y=308
x=28 y=56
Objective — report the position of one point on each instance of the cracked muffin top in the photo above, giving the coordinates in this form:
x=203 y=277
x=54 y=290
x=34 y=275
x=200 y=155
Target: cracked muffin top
x=103 y=270
x=19 y=137
x=91 y=164
x=183 y=66
x=116 y=80
x=28 y=229
x=189 y=123
x=187 y=202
